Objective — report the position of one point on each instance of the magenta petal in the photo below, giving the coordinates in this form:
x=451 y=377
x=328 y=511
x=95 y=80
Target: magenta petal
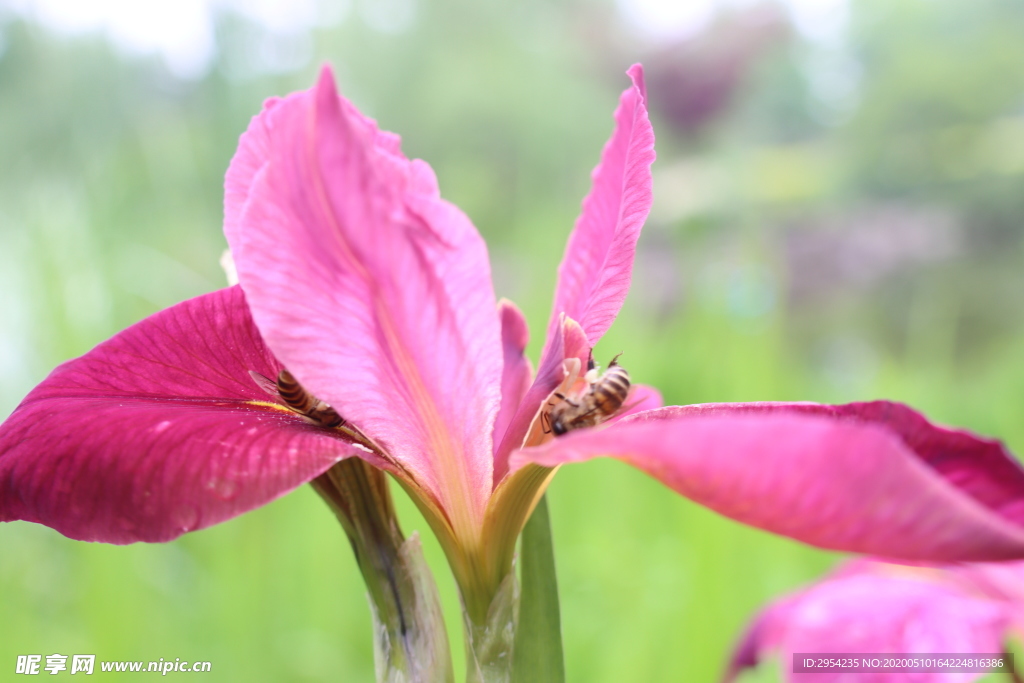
x=980 y=468
x=372 y=290
x=834 y=482
x=516 y=376
x=153 y=433
x=877 y=608
x=595 y=273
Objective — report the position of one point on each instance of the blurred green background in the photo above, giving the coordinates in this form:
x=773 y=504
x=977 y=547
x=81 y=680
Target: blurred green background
x=839 y=216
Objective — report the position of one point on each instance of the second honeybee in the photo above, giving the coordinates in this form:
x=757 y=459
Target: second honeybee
x=602 y=400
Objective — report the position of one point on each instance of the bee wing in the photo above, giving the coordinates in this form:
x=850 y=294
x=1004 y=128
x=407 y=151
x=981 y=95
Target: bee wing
x=265 y=383
x=628 y=406
x=639 y=395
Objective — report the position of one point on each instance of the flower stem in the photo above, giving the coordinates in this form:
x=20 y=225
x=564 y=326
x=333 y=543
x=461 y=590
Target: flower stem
x=520 y=640
x=538 y=643
x=410 y=640
x=489 y=642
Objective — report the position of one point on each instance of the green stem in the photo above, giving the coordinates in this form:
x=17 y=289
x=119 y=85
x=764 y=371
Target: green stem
x=538 y=643
x=489 y=642
x=410 y=640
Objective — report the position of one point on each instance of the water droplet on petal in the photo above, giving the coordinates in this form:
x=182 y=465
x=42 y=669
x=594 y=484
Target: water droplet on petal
x=161 y=427
x=185 y=517
x=225 y=489
x=150 y=504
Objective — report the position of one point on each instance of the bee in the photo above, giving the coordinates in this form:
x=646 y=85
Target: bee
x=602 y=400
x=298 y=399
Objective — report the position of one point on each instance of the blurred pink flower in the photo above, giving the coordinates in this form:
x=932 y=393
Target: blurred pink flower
x=376 y=294
x=874 y=607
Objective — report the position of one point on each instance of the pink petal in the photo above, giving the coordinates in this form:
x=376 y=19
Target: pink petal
x=371 y=289
x=980 y=468
x=877 y=608
x=253 y=149
x=594 y=276
x=845 y=483
x=153 y=433
x=595 y=273
x=568 y=341
x=516 y=376
x=998 y=580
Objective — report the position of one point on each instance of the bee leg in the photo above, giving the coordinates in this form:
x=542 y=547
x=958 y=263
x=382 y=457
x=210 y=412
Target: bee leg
x=545 y=422
x=615 y=359
x=563 y=397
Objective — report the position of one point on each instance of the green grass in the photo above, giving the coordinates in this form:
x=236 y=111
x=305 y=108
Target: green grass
x=110 y=197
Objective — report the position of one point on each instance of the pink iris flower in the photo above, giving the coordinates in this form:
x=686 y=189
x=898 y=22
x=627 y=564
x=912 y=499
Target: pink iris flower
x=376 y=295
x=875 y=607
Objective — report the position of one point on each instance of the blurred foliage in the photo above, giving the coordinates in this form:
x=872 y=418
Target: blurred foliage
x=836 y=219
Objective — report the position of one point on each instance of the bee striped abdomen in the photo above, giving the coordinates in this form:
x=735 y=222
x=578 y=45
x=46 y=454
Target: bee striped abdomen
x=611 y=390
x=305 y=403
x=293 y=393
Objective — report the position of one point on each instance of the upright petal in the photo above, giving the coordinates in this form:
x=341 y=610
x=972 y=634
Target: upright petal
x=253 y=151
x=836 y=482
x=516 y=377
x=595 y=273
x=567 y=342
x=158 y=431
x=372 y=290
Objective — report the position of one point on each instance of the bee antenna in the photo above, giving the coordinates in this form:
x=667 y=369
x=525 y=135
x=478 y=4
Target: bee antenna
x=590 y=359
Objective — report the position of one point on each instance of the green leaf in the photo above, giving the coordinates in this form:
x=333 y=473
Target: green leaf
x=537 y=657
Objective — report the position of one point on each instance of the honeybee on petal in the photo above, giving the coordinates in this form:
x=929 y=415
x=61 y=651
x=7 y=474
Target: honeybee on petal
x=298 y=399
x=601 y=400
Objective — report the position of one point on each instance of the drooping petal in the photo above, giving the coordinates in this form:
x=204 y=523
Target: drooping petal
x=372 y=290
x=837 y=482
x=597 y=267
x=517 y=374
x=877 y=608
x=980 y=468
x=158 y=431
